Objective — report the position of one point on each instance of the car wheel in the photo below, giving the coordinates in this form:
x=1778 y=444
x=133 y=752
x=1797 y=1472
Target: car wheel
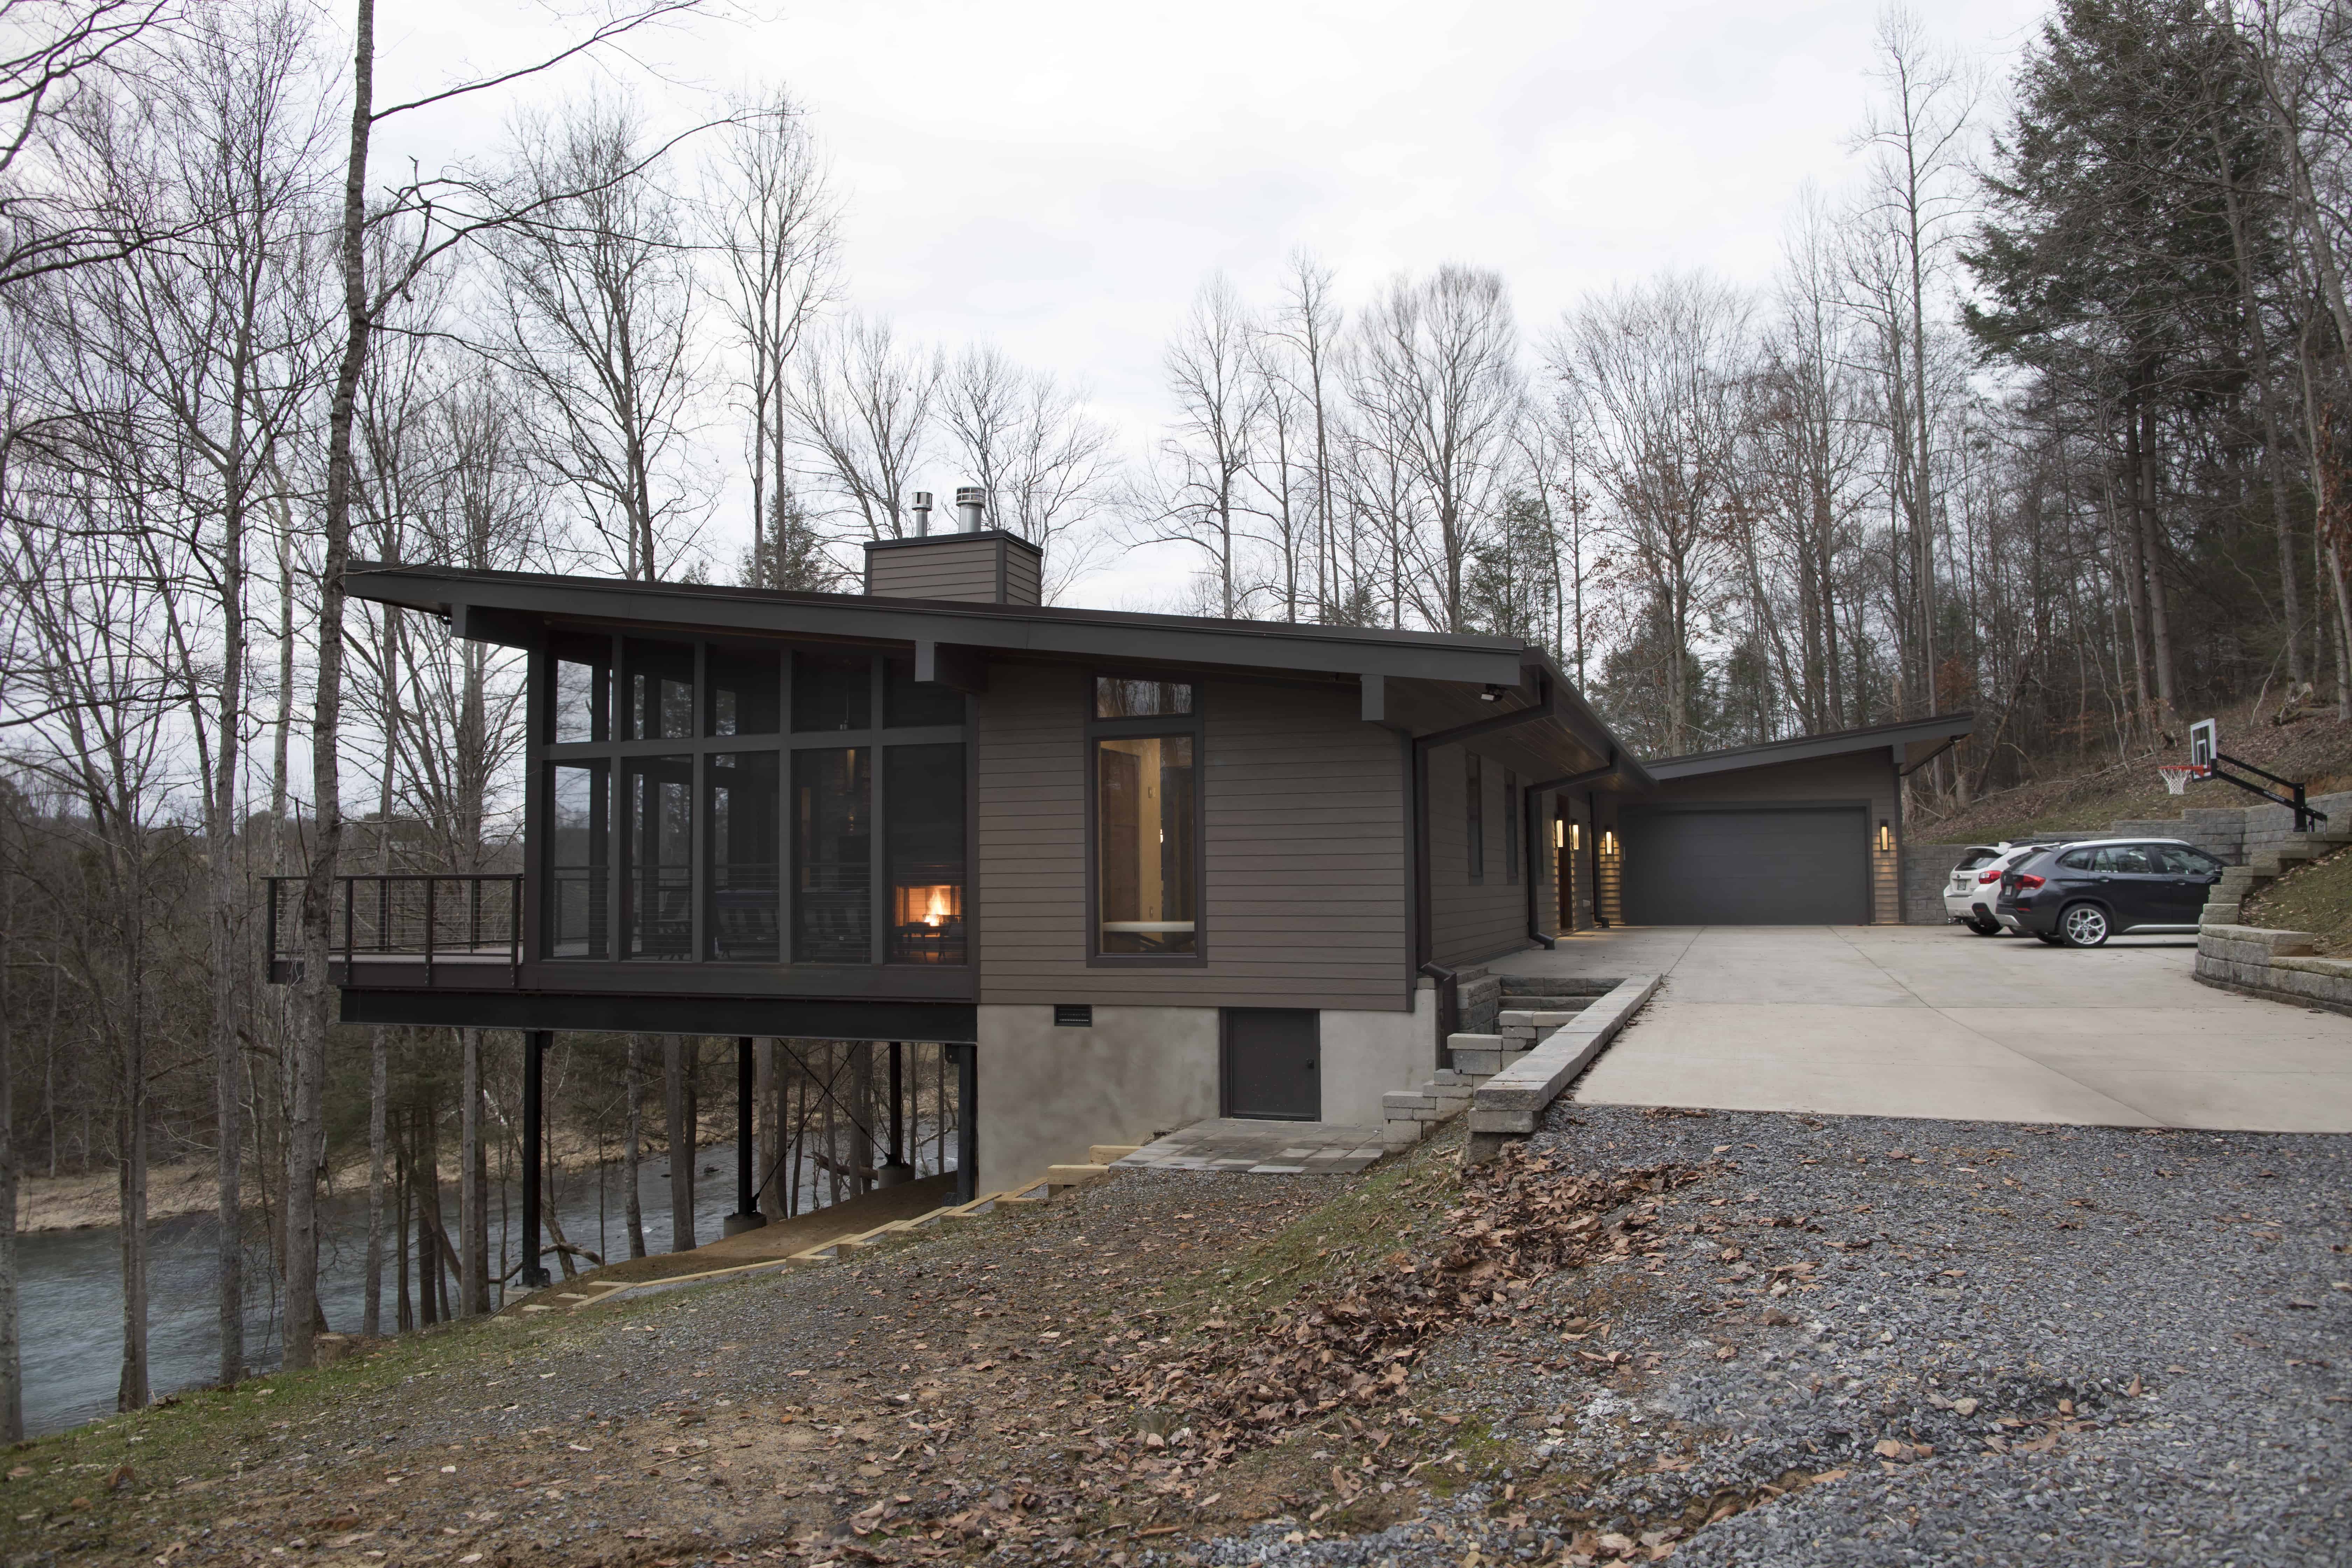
x=2082 y=925
x=1985 y=927
x=2049 y=939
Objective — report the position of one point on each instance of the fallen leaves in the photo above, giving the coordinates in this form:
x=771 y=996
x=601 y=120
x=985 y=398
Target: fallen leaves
x=1525 y=1216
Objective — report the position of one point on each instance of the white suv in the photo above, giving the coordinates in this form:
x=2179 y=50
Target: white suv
x=1975 y=882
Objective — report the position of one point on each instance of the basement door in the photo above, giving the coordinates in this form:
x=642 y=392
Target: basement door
x=1271 y=1068
x=1747 y=865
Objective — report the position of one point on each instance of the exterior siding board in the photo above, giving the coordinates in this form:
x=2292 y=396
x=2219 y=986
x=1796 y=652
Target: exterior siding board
x=986 y=569
x=1302 y=852
x=1470 y=922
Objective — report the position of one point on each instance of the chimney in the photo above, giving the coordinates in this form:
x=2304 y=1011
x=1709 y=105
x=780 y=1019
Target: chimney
x=975 y=563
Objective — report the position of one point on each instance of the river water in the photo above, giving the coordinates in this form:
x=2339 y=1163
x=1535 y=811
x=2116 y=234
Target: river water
x=71 y=1282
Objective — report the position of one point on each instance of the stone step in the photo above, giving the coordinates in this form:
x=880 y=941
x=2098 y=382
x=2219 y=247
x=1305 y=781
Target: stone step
x=1513 y=1003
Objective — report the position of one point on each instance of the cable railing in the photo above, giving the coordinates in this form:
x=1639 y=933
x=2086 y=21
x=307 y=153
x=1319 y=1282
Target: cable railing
x=415 y=924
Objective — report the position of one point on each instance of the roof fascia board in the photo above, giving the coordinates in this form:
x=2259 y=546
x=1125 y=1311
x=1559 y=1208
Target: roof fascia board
x=1951 y=726
x=911 y=622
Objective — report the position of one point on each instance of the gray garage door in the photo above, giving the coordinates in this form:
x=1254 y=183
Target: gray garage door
x=1745 y=866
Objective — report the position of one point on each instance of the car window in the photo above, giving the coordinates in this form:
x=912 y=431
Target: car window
x=2181 y=861
x=1974 y=858
x=2128 y=859
x=2076 y=860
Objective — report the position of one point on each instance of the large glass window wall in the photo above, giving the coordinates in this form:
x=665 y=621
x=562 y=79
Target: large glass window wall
x=725 y=803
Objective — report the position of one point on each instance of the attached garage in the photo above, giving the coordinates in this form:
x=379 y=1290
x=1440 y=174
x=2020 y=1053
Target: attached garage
x=1747 y=865
x=1806 y=831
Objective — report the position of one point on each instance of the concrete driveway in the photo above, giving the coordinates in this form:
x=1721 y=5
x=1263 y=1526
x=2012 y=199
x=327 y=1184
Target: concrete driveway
x=1930 y=1021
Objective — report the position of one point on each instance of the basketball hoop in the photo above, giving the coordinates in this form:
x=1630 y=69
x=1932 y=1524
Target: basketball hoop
x=2177 y=775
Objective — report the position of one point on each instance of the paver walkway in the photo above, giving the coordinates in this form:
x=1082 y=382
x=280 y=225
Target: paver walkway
x=1930 y=1021
x=1263 y=1148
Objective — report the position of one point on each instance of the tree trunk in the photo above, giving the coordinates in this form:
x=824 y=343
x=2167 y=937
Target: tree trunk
x=2159 y=623
x=131 y=1392
x=681 y=1144
x=767 y=1093
x=403 y=1307
x=371 y=1309
x=633 y=1144
x=473 y=1200
x=306 y=1136
x=12 y=1385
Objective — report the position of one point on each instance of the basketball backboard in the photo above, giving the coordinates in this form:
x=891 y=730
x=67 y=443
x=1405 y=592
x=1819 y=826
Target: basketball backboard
x=2204 y=743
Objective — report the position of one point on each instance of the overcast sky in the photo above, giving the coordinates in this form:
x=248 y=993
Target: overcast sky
x=1060 y=176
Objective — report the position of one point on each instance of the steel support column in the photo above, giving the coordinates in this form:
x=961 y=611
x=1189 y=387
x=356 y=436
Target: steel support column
x=967 y=1065
x=534 y=1143
x=747 y=1215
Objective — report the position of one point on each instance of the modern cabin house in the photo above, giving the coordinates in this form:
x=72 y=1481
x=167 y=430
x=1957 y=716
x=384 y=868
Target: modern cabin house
x=1134 y=870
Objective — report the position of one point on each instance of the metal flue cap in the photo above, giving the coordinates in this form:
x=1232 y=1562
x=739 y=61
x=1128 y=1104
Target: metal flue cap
x=922 y=513
x=971 y=503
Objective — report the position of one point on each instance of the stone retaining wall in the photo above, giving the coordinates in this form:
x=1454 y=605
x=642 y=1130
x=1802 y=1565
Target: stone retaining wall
x=2278 y=965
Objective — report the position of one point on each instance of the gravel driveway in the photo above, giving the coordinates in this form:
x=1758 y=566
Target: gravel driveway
x=1944 y=1342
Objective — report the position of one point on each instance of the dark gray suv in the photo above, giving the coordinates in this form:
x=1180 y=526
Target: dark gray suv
x=2080 y=894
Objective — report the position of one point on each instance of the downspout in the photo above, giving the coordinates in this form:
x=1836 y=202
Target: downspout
x=1417 y=785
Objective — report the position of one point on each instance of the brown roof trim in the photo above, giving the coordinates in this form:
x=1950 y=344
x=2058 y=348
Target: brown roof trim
x=1837 y=743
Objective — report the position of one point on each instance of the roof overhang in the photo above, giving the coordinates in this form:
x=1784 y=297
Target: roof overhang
x=1911 y=742
x=506 y=608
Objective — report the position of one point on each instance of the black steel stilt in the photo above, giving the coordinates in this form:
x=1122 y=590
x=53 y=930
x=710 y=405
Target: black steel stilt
x=534 y=1143
x=747 y=1215
x=967 y=1062
x=897 y=1110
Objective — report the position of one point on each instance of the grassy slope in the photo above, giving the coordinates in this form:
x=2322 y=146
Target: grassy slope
x=2318 y=751
x=2316 y=898
x=94 y=1491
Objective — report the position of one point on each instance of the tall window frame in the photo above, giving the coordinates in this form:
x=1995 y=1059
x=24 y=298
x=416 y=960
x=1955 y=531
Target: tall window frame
x=1512 y=807
x=605 y=693
x=1474 y=813
x=1190 y=725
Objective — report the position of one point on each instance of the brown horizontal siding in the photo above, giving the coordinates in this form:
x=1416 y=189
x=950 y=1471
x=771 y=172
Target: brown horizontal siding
x=1469 y=921
x=1303 y=858
x=948 y=569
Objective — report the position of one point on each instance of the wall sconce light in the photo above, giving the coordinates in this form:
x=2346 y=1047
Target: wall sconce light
x=1576 y=835
x=1885 y=836
x=1559 y=832
x=1609 y=841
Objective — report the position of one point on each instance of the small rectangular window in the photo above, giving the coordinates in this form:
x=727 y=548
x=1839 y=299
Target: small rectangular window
x=1510 y=827
x=1148 y=873
x=832 y=869
x=747 y=688
x=908 y=703
x=580 y=670
x=831 y=691
x=1474 y=783
x=659 y=679
x=922 y=831
x=1119 y=699
x=579 y=884
x=744 y=829
x=660 y=919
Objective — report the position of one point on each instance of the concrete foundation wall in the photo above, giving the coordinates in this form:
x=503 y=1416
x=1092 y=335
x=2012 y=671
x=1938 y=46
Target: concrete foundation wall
x=1366 y=1054
x=1048 y=1092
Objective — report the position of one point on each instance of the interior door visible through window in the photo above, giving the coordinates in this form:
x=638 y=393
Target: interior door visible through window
x=1272 y=1068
